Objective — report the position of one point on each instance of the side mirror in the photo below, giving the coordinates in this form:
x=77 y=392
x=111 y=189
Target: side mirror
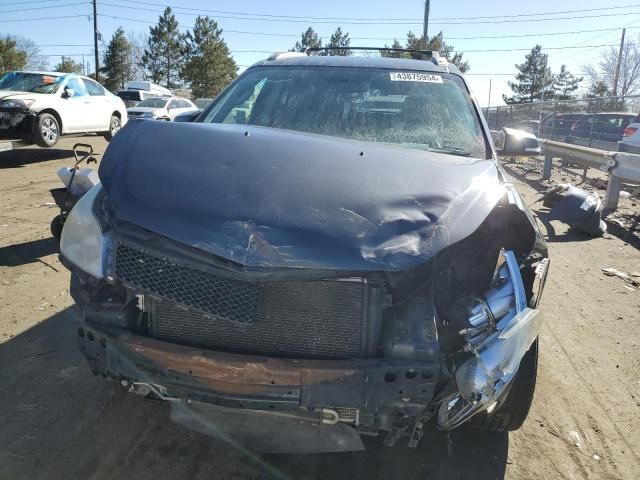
x=69 y=92
x=187 y=116
x=516 y=142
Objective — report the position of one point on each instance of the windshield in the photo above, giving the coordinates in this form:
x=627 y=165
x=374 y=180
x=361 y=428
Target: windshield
x=413 y=109
x=153 y=102
x=30 y=82
x=129 y=95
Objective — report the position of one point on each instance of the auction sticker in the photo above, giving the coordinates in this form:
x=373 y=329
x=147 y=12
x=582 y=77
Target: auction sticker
x=414 y=77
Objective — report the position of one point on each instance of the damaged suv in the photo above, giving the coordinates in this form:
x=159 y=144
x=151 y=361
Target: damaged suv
x=330 y=250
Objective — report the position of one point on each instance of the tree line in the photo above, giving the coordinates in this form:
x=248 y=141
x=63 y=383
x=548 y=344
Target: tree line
x=201 y=59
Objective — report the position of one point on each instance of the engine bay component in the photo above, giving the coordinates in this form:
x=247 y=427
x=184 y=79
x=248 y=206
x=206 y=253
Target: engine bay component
x=501 y=330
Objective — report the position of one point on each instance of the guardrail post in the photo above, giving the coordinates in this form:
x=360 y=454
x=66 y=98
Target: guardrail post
x=613 y=194
x=548 y=163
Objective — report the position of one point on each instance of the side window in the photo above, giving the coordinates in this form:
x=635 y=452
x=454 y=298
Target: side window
x=77 y=86
x=93 y=88
x=172 y=104
x=183 y=104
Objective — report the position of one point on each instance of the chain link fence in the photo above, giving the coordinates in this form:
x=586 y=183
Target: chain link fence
x=596 y=122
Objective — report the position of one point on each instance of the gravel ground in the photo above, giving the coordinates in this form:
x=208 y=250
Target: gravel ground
x=59 y=421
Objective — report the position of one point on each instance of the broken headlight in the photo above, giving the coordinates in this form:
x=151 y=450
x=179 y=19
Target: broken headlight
x=498 y=330
x=22 y=104
x=83 y=242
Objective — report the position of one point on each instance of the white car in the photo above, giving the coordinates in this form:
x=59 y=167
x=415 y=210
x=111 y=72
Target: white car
x=631 y=137
x=41 y=106
x=161 y=108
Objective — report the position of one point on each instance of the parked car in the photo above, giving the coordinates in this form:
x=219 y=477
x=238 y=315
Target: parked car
x=202 y=103
x=41 y=106
x=558 y=126
x=136 y=92
x=631 y=137
x=605 y=127
x=162 y=108
x=315 y=267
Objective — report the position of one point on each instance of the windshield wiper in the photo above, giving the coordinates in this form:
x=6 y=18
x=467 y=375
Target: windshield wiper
x=452 y=151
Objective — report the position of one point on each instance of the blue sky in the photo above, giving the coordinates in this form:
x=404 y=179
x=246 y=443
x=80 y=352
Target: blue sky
x=386 y=20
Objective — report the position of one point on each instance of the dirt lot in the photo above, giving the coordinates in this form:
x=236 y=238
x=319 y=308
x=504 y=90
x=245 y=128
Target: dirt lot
x=59 y=421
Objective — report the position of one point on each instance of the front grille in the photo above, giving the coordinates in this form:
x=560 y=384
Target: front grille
x=312 y=319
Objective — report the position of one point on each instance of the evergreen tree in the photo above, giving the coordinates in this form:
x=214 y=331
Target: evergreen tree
x=308 y=39
x=436 y=44
x=395 y=44
x=534 y=79
x=598 y=89
x=565 y=84
x=164 y=57
x=339 y=39
x=11 y=57
x=68 y=65
x=209 y=66
x=117 y=63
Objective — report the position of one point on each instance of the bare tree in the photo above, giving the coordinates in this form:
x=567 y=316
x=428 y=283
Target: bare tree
x=138 y=41
x=35 y=61
x=604 y=73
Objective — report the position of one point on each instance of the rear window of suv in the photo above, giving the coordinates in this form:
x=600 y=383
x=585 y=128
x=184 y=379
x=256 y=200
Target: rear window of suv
x=414 y=109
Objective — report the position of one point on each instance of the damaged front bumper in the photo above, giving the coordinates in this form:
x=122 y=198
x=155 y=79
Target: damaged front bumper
x=335 y=400
x=16 y=123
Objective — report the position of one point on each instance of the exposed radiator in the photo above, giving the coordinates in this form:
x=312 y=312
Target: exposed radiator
x=303 y=319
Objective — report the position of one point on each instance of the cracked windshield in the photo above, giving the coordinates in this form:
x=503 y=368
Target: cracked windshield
x=331 y=240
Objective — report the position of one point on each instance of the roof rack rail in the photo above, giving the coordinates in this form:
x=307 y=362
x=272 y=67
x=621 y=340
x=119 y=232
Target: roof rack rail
x=431 y=55
x=282 y=55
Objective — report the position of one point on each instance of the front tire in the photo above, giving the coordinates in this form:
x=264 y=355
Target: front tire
x=56 y=226
x=115 y=124
x=47 y=130
x=514 y=410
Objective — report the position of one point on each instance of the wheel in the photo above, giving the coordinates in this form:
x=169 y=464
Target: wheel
x=114 y=126
x=47 y=130
x=513 y=411
x=56 y=226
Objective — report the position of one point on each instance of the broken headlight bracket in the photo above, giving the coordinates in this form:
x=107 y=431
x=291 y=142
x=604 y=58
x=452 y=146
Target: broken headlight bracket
x=501 y=329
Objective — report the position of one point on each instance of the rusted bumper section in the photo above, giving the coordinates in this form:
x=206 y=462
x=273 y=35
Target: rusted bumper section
x=261 y=383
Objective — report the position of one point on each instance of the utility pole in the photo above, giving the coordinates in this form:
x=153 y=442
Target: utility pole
x=617 y=77
x=425 y=29
x=95 y=39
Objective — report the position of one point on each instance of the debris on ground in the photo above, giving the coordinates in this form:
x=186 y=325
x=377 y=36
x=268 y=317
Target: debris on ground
x=629 y=278
x=576 y=207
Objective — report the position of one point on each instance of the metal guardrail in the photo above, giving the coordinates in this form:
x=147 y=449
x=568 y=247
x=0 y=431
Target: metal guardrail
x=621 y=166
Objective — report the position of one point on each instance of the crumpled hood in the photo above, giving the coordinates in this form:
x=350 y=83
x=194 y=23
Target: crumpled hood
x=271 y=198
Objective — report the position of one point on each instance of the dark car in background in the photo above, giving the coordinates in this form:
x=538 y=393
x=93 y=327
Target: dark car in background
x=558 y=126
x=601 y=127
x=329 y=250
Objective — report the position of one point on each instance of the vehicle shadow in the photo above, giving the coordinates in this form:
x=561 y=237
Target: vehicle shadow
x=28 y=252
x=59 y=421
x=25 y=156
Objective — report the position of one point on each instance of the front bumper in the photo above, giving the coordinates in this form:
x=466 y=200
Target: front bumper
x=16 y=124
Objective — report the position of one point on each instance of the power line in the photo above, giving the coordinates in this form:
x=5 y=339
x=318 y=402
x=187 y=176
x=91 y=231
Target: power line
x=362 y=22
x=43 y=18
x=43 y=7
x=489 y=37
x=340 y=19
x=29 y=3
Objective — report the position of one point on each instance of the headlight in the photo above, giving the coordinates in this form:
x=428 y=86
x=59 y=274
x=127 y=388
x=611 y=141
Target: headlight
x=17 y=104
x=83 y=242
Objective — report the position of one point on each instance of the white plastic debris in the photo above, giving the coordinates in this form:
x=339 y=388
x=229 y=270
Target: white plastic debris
x=596 y=456
x=624 y=194
x=84 y=180
x=613 y=272
x=575 y=438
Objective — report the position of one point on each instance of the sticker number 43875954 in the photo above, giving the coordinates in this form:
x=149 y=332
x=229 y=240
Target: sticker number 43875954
x=414 y=77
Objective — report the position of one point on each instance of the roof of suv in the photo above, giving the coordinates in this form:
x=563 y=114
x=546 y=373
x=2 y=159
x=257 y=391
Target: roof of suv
x=362 y=62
